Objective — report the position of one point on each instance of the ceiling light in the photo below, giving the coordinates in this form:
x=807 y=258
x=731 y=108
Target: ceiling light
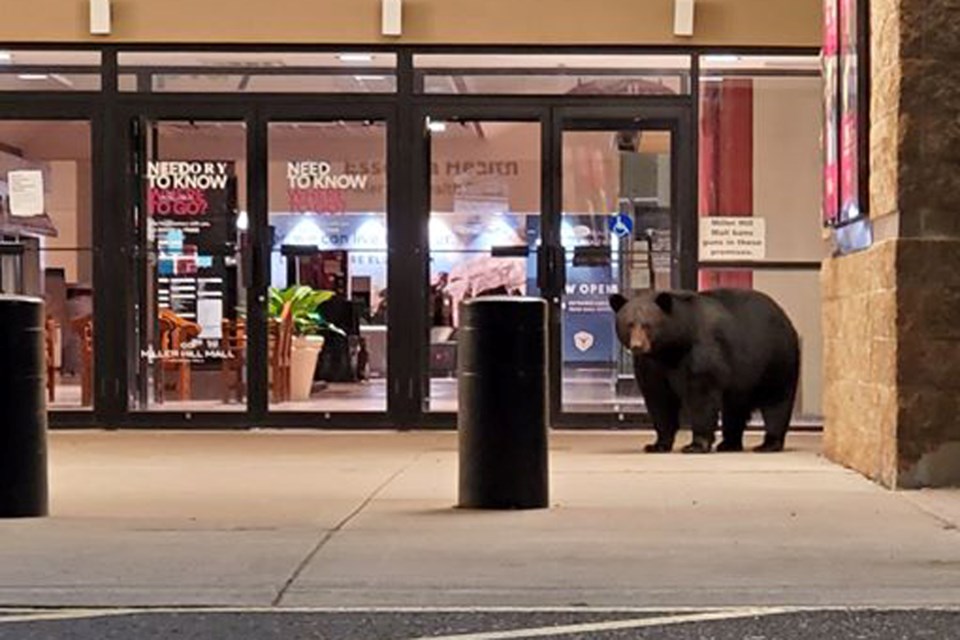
x=436 y=126
x=355 y=57
x=721 y=58
x=371 y=78
x=33 y=76
x=6 y=56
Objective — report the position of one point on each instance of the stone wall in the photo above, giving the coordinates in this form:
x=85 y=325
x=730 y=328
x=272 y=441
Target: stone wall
x=860 y=361
x=928 y=257
x=928 y=362
x=892 y=313
x=892 y=362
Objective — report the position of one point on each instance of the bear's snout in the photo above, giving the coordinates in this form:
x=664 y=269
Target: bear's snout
x=639 y=341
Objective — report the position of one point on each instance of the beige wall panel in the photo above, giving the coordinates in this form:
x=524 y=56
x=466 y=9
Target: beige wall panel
x=722 y=22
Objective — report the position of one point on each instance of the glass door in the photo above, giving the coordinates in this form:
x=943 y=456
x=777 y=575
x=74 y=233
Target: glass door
x=483 y=228
x=328 y=296
x=189 y=322
x=624 y=228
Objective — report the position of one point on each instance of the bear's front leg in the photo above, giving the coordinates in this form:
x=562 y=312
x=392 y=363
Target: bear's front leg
x=667 y=423
x=662 y=404
x=704 y=410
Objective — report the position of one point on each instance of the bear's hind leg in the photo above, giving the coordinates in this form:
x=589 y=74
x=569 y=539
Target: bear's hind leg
x=776 y=420
x=735 y=419
x=777 y=414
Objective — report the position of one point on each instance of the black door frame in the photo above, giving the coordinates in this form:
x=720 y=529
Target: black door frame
x=408 y=253
x=314 y=111
x=673 y=114
x=679 y=120
x=130 y=118
x=452 y=111
x=256 y=114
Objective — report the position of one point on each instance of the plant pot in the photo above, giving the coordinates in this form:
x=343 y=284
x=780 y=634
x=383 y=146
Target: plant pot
x=303 y=364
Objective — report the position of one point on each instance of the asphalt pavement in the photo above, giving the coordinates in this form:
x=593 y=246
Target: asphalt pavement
x=771 y=623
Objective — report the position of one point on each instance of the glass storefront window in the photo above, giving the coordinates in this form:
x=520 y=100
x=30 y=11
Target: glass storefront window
x=761 y=171
x=798 y=292
x=621 y=75
x=57 y=245
x=257 y=72
x=59 y=71
x=328 y=224
x=760 y=157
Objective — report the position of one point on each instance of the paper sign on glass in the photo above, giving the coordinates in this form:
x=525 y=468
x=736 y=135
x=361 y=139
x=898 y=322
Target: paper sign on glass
x=26 y=193
x=732 y=238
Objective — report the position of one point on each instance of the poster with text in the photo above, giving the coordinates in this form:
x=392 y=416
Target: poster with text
x=831 y=130
x=588 y=322
x=849 y=111
x=192 y=208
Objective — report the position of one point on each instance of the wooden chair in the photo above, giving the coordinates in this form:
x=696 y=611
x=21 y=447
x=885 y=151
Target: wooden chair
x=174 y=333
x=234 y=345
x=51 y=328
x=83 y=327
x=281 y=354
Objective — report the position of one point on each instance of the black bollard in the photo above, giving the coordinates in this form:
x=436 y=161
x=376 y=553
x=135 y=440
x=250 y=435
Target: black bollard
x=23 y=428
x=503 y=403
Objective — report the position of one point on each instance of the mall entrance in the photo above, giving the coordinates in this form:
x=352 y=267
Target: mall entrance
x=260 y=254
x=271 y=238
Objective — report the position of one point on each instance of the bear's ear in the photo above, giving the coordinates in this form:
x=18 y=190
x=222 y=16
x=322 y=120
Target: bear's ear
x=664 y=301
x=616 y=302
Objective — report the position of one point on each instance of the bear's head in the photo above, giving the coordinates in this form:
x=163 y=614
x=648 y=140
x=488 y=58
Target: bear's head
x=655 y=321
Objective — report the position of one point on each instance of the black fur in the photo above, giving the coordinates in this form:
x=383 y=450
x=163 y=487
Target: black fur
x=726 y=351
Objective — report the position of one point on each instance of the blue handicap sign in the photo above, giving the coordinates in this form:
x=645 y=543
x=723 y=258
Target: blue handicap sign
x=621 y=224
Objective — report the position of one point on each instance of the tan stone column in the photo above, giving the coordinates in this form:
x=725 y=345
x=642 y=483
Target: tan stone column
x=892 y=312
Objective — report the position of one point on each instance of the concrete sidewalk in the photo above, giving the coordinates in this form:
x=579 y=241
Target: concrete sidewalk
x=343 y=519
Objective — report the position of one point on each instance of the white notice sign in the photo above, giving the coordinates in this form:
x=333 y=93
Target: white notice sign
x=26 y=192
x=732 y=238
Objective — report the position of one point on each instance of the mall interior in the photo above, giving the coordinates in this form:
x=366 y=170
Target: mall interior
x=196 y=188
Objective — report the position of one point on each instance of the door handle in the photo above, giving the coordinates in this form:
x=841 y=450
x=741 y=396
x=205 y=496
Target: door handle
x=551 y=274
x=249 y=261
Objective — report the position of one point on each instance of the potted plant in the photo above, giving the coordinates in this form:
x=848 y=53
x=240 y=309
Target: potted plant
x=308 y=322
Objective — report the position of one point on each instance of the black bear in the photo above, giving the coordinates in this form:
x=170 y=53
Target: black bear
x=728 y=351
